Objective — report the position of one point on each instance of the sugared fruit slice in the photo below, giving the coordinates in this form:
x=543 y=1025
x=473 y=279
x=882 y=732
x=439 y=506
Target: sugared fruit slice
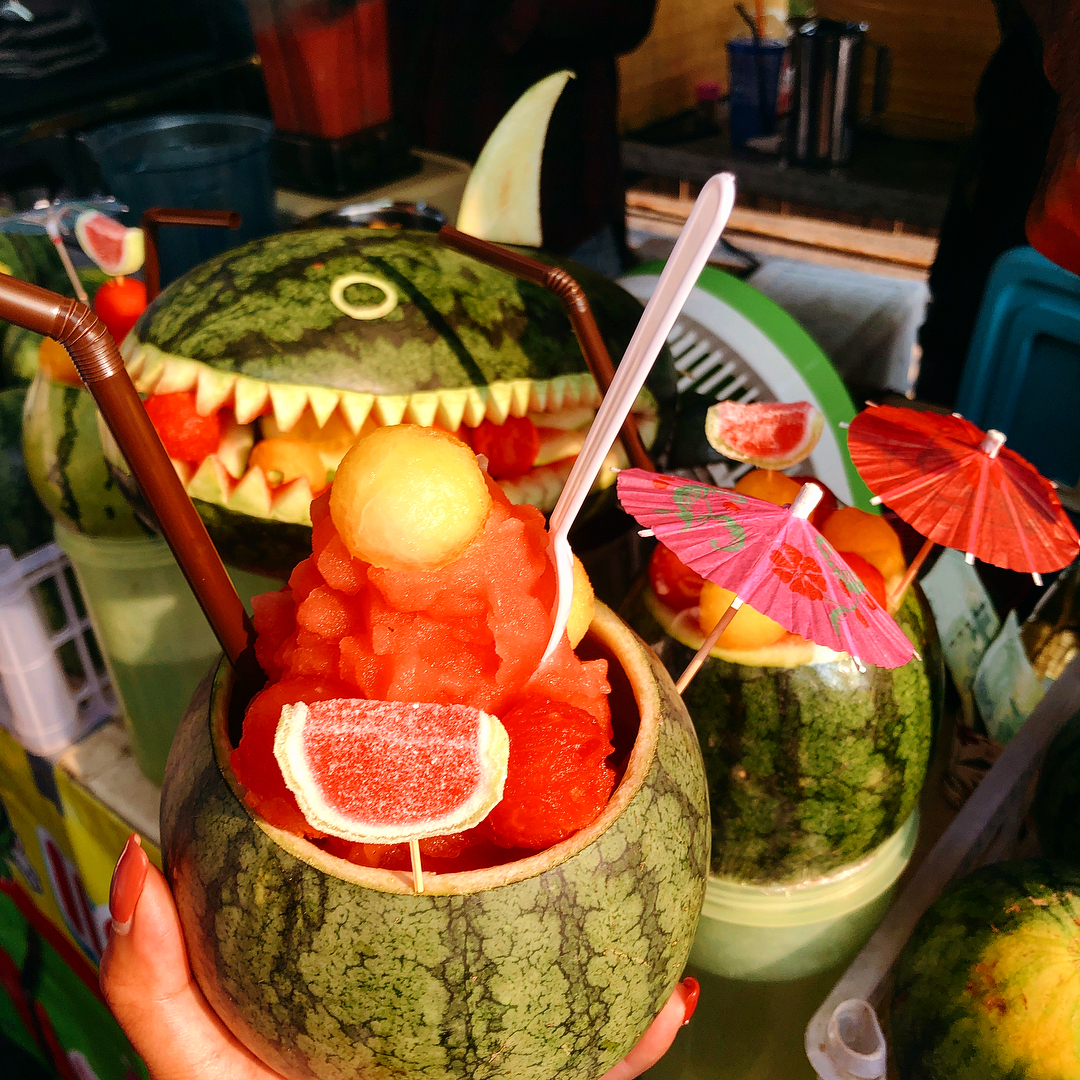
x=868 y=535
x=748 y=630
x=380 y=772
x=117 y=249
x=409 y=498
x=769 y=434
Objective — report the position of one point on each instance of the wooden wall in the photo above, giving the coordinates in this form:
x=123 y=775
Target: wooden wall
x=686 y=46
x=939 y=52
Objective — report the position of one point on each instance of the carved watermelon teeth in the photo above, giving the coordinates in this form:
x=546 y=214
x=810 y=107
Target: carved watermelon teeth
x=156 y=372
x=223 y=479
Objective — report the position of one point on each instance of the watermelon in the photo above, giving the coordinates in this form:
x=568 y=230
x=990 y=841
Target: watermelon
x=1056 y=806
x=64 y=459
x=117 y=249
x=24 y=522
x=553 y=965
x=811 y=764
x=382 y=772
x=268 y=333
x=771 y=435
x=987 y=987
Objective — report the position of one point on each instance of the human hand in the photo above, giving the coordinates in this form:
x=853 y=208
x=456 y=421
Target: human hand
x=148 y=984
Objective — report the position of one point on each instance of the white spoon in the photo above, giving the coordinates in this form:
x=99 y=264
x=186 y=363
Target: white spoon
x=696 y=242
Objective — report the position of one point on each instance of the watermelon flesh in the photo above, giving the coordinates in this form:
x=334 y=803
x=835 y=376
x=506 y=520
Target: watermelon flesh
x=378 y=772
x=117 y=249
x=471 y=633
x=770 y=435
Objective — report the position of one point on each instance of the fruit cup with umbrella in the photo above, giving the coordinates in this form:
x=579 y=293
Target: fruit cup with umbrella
x=961 y=487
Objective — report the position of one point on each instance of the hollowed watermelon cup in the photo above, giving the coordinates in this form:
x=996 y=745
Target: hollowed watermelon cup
x=554 y=965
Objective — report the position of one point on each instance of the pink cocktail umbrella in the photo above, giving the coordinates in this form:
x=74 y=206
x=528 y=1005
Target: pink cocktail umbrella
x=772 y=558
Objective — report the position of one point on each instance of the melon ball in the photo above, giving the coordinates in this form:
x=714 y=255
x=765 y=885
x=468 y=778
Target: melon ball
x=748 y=630
x=409 y=498
x=582 y=606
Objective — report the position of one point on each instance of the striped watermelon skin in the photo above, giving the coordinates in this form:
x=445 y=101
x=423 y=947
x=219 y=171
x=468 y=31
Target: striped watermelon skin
x=24 y=524
x=66 y=464
x=264 y=310
x=550 y=967
x=812 y=767
x=988 y=987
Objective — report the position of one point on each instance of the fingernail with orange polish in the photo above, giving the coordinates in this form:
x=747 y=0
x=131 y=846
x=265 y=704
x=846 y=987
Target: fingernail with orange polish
x=691 y=993
x=127 y=885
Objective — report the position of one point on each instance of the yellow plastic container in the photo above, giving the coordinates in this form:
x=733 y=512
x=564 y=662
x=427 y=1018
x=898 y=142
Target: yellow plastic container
x=157 y=642
x=781 y=933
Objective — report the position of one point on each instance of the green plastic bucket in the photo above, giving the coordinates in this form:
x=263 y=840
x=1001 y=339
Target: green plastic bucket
x=155 y=638
x=782 y=933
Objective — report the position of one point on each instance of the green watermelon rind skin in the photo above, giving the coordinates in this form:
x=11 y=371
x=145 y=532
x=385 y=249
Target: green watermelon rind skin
x=66 y=463
x=24 y=522
x=821 y=764
x=1056 y=806
x=263 y=310
x=946 y=1001
x=556 y=974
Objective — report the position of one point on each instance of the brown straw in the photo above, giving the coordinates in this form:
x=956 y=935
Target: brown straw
x=167 y=215
x=563 y=285
x=94 y=353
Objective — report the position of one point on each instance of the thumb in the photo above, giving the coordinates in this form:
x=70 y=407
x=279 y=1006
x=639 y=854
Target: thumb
x=147 y=981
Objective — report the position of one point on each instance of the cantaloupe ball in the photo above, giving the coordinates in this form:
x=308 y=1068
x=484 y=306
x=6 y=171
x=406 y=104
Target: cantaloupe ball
x=868 y=535
x=770 y=485
x=748 y=630
x=582 y=605
x=409 y=498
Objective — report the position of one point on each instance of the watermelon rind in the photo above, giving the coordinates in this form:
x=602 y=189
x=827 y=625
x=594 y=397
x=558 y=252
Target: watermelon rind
x=988 y=987
x=24 y=522
x=551 y=966
x=812 y=764
x=66 y=464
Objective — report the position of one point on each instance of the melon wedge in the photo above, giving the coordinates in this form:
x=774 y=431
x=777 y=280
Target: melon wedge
x=117 y=249
x=384 y=772
x=501 y=202
x=768 y=434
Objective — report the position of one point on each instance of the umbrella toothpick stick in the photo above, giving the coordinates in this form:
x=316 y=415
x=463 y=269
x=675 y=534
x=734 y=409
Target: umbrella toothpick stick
x=896 y=597
x=803 y=506
x=417 y=872
x=53 y=230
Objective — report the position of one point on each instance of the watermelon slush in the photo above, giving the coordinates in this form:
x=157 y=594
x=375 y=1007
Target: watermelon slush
x=470 y=632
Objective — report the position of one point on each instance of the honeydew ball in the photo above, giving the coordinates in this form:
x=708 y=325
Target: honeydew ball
x=409 y=498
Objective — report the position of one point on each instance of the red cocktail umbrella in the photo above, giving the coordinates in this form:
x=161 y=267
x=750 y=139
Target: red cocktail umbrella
x=772 y=558
x=961 y=487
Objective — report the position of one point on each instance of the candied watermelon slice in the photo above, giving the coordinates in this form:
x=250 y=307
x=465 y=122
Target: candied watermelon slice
x=768 y=434
x=379 y=772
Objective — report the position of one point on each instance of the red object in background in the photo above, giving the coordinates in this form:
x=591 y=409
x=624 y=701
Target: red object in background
x=958 y=486
x=1053 y=222
x=118 y=304
x=326 y=67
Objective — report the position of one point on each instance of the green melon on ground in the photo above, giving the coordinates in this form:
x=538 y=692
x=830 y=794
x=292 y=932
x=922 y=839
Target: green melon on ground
x=988 y=986
x=66 y=464
x=810 y=767
x=552 y=966
x=1056 y=806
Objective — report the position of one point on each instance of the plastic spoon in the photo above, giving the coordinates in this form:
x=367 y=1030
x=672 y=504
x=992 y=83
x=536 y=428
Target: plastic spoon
x=696 y=241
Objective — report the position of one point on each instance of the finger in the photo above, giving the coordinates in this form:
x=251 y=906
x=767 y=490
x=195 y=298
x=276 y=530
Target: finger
x=147 y=981
x=654 y=1044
